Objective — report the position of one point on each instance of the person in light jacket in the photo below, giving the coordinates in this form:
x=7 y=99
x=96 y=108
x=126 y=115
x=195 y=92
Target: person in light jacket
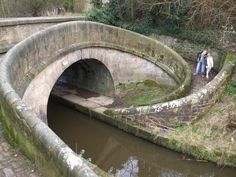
x=209 y=65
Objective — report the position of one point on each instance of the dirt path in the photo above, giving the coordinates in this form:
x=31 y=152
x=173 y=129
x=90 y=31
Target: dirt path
x=198 y=81
x=12 y=162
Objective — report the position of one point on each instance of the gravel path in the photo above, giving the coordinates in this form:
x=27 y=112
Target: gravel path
x=198 y=81
x=12 y=162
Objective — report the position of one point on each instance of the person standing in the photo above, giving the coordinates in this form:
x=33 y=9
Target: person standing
x=201 y=63
x=209 y=65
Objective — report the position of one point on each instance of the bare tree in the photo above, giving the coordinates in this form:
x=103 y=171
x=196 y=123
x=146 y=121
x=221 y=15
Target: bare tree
x=200 y=13
x=211 y=12
x=20 y=8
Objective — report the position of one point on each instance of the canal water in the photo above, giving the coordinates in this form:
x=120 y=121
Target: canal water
x=122 y=154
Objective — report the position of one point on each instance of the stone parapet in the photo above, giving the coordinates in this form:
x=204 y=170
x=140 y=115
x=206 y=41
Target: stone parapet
x=189 y=50
x=186 y=109
x=14 y=30
x=31 y=56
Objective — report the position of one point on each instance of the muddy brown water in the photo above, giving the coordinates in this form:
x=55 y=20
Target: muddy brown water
x=122 y=154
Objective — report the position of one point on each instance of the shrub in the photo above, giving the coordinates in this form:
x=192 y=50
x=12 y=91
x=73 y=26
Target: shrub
x=68 y=5
x=231 y=89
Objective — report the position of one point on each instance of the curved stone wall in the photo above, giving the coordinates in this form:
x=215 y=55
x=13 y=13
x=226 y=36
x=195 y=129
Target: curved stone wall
x=186 y=109
x=189 y=50
x=36 y=54
x=123 y=67
x=31 y=56
x=14 y=30
x=89 y=74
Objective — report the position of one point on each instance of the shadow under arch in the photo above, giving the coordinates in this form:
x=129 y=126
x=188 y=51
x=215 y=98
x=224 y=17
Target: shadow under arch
x=88 y=74
x=122 y=67
x=38 y=92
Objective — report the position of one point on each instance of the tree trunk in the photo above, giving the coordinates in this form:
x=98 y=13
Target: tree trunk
x=132 y=10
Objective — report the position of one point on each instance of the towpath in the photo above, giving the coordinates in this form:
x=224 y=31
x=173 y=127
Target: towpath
x=198 y=81
x=12 y=162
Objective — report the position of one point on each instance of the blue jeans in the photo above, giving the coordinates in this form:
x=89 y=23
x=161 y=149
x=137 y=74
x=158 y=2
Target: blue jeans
x=200 y=68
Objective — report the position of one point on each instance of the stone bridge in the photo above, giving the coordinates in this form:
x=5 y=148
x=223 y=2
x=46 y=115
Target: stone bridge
x=30 y=69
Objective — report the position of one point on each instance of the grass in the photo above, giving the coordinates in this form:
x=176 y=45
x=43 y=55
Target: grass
x=231 y=89
x=217 y=111
x=211 y=133
x=143 y=93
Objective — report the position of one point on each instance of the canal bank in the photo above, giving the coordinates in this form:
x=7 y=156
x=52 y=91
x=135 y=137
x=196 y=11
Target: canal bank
x=178 y=139
x=120 y=153
x=23 y=121
x=12 y=162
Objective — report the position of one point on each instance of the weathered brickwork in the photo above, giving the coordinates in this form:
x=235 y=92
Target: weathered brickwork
x=122 y=67
x=87 y=34
x=186 y=109
x=27 y=59
x=189 y=50
x=13 y=31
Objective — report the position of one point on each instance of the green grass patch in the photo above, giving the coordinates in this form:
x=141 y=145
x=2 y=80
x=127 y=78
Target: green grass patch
x=108 y=112
x=231 y=89
x=150 y=83
x=231 y=58
x=143 y=93
x=217 y=111
x=180 y=129
x=130 y=86
x=206 y=37
x=146 y=97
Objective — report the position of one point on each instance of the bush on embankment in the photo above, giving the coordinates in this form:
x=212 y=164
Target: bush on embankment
x=197 y=21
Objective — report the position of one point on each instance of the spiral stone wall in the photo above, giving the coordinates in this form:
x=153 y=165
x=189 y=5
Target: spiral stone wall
x=186 y=109
x=53 y=46
x=24 y=62
x=14 y=30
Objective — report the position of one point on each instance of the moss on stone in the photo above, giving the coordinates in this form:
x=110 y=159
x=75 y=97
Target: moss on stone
x=18 y=139
x=198 y=152
x=230 y=58
x=150 y=83
x=147 y=48
x=143 y=93
x=230 y=160
x=108 y=112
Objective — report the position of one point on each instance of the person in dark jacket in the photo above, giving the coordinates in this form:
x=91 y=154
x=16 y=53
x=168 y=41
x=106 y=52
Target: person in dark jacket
x=201 y=63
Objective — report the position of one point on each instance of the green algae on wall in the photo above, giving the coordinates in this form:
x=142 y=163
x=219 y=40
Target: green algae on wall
x=17 y=137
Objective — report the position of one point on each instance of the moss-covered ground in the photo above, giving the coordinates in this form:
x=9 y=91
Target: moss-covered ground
x=141 y=93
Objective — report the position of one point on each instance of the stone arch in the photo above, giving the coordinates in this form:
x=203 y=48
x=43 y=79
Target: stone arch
x=89 y=74
x=37 y=93
x=116 y=62
x=37 y=53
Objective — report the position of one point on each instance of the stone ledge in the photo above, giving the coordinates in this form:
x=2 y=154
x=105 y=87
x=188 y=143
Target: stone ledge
x=161 y=136
x=14 y=67
x=24 y=125
x=36 y=20
x=197 y=103
x=13 y=30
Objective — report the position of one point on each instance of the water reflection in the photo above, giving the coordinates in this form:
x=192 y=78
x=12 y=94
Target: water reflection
x=122 y=154
x=129 y=169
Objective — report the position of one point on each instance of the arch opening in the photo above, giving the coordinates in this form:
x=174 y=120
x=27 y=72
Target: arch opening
x=88 y=75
